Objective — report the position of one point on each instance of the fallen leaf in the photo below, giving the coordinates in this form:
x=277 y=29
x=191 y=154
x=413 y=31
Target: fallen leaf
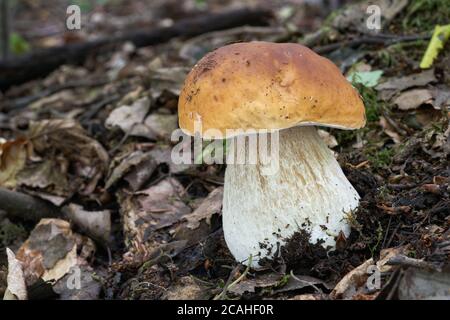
x=419 y=284
x=389 y=130
x=13 y=155
x=51 y=251
x=414 y=98
x=353 y=283
x=198 y=224
x=163 y=155
x=308 y=296
x=259 y=282
x=367 y=78
x=210 y=206
x=157 y=207
x=298 y=282
x=66 y=142
x=162 y=125
x=79 y=284
x=130 y=118
x=171 y=79
x=134 y=121
x=186 y=288
x=393 y=85
x=136 y=168
x=48 y=176
x=16 y=280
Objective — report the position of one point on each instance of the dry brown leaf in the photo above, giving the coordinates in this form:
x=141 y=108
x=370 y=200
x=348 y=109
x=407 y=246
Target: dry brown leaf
x=13 y=156
x=51 y=251
x=389 y=130
x=353 y=283
x=163 y=154
x=393 y=85
x=67 y=143
x=199 y=224
x=186 y=288
x=49 y=177
x=167 y=79
x=135 y=168
x=210 y=206
x=260 y=281
x=157 y=207
x=16 y=280
x=417 y=284
x=414 y=98
x=134 y=121
x=130 y=118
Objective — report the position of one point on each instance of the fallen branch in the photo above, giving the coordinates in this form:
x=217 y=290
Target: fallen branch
x=41 y=63
x=23 y=206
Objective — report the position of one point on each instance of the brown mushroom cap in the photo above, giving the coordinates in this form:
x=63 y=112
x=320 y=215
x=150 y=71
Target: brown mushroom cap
x=263 y=85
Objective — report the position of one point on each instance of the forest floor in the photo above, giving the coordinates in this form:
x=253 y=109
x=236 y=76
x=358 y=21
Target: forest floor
x=93 y=140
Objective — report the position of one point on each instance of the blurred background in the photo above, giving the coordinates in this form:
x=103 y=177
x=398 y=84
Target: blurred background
x=40 y=23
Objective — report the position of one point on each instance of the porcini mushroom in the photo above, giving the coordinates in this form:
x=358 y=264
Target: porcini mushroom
x=287 y=87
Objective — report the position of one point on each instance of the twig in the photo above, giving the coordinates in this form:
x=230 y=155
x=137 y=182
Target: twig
x=22 y=102
x=96 y=107
x=401 y=260
x=22 y=206
x=227 y=286
x=374 y=40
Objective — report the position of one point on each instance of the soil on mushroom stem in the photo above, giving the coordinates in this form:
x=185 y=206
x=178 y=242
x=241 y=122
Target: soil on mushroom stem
x=409 y=218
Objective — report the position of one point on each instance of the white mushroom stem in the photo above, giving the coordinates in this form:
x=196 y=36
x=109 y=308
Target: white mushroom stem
x=309 y=192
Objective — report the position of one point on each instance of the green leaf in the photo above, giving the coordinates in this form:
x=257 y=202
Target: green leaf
x=18 y=44
x=437 y=42
x=366 y=78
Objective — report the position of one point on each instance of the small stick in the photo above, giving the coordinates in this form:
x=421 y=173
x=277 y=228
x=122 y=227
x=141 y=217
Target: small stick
x=374 y=40
x=227 y=286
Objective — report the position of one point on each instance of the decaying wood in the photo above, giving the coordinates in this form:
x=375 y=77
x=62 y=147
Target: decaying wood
x=40 y=63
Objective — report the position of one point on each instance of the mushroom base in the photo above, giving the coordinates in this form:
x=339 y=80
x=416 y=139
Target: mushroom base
x=309 y=192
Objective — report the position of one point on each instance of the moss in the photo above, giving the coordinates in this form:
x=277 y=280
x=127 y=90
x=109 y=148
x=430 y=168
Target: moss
x=371 y=103
x=345 y=137
x=379 y=237
x=400 y=54
x=423 y=15
x=379 y=158
x=9 y=232
x=283 y=281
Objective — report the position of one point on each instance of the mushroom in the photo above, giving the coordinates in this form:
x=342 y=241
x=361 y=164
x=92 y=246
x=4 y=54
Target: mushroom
x=285 y=87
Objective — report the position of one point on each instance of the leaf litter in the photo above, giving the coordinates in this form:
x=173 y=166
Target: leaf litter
x=135 y=225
